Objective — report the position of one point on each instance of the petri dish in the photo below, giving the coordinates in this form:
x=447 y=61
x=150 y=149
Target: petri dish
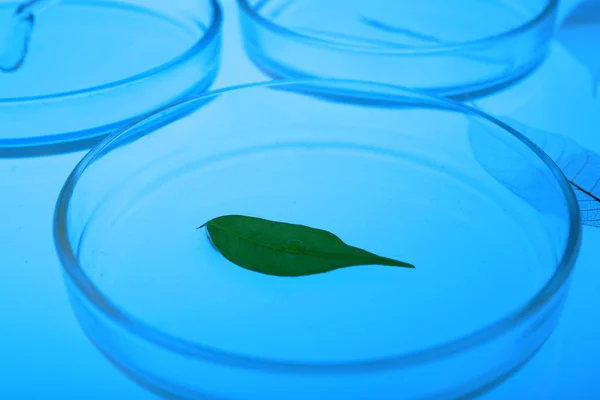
x=94 y=66
x=490 y=223
x=445 y=48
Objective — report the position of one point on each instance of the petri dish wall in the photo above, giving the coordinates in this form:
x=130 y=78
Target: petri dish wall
x=490 y=223
x=87 y=72
x=94 y=66
x=449 y=48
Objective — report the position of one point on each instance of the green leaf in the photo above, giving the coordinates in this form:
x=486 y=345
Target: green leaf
x=284 y=249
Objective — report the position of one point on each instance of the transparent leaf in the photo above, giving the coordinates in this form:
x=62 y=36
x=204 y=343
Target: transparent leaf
x=513 y=166
x=580 y=165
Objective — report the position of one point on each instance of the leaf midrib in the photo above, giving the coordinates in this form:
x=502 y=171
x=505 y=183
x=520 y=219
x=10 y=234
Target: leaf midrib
x=585 y=191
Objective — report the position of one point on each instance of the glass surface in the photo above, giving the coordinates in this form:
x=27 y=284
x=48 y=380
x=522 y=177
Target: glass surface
x=446 y=47
x=93 y=67
x=491 y=225
x=560 y=98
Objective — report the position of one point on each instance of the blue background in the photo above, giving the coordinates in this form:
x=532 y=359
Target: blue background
x=44 y=354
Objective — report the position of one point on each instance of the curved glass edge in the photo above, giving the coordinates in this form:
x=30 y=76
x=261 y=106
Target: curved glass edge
x=548 y=12
x=459 y=93
x=214 y=29
x=143 y=362
x=536 y=306
x=69 y=142
x=84 y=140
x=260 y=34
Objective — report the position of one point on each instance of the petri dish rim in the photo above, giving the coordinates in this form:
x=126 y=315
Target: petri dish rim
x=550 y=7
x=134 y=326
x=213 y=30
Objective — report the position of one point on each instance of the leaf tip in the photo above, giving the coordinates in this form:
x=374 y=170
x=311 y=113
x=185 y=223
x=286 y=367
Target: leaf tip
x=404 y=265
x=392 y=262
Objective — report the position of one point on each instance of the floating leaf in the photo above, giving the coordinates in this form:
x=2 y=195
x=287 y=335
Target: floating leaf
x=284 y=249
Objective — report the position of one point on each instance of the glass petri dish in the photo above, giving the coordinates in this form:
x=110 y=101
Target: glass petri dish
x=94 y=66
x=446 y=48
x=490 y=223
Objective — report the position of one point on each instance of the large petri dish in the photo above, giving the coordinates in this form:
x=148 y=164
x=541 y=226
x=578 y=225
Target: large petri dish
x=94 y=66
x=449 y=48
x=490 y=223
